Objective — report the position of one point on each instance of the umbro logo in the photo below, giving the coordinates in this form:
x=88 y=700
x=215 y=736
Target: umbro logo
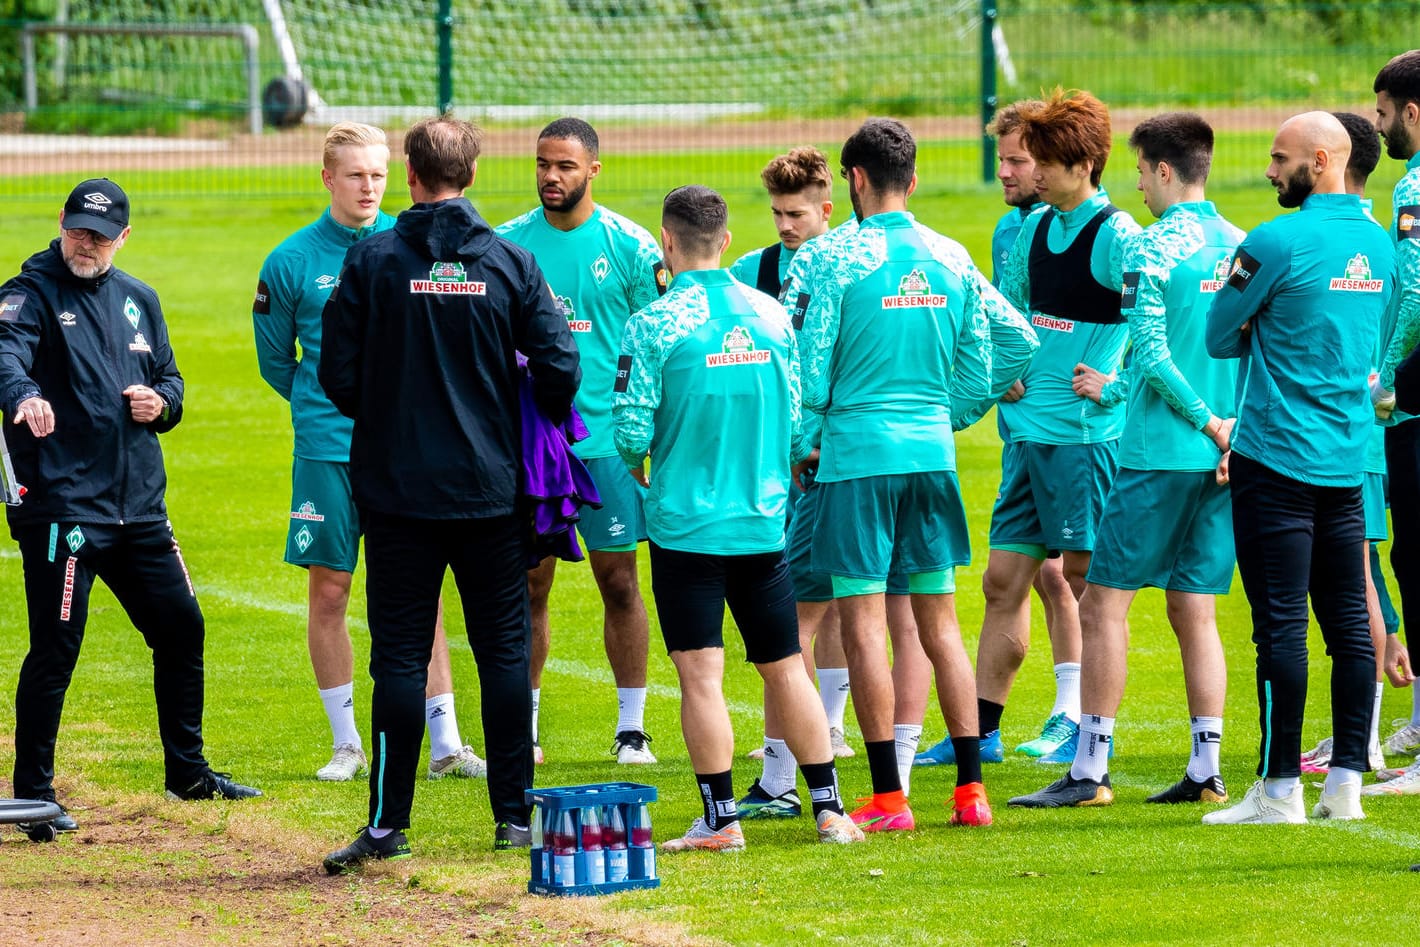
x=67 y=318
x=326 y=281
x=97 y=198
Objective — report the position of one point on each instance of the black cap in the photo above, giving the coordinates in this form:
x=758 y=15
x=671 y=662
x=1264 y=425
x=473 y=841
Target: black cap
x=98 y=205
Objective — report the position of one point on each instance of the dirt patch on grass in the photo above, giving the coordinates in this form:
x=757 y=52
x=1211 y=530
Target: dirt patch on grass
x=179 y=874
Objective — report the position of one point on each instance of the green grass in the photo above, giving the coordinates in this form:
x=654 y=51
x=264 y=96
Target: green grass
x=1133 y=873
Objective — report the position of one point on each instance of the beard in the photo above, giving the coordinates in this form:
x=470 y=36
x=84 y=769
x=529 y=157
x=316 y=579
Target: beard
x=1398 y=143
x=1023 y=197
x=570 y=199
x=1296 y=187
x=83 y=268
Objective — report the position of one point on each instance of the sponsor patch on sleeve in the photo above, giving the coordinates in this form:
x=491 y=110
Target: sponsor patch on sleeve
x=1407 y=222
x=10 y=307
x=623 y=373
x=663 y=278
x=1245 y=267
x=799 y=309
x=1130 y=294
x=261 y=305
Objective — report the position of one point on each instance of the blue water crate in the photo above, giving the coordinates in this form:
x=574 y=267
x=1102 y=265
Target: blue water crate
x=593 y=839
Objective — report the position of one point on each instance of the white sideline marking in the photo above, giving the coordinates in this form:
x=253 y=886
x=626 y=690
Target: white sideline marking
x=66 y=144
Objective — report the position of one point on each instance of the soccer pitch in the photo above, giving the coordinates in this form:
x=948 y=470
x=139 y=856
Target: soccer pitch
x=1127 y=874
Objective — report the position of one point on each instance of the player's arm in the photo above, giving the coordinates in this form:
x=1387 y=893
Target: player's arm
x=637 y=392
x=1146 y=279
x=1259 y=265
x=273 y=315
x=541 y=333
x=1407 y=285
x=815 y=300
x=800 y=445
x=20 y=333
x=166 y=380
x=649 y=276
x=1013 y=344
x=1015 y=273
x=1407 y=384
x=342 y=337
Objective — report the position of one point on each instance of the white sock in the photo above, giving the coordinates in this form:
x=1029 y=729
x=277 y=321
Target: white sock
x=1375 y=744
x=443 y=726
x=833 y=691
x=1207 y=742
x=779 y=766
x=1067 y=691
x=1336 y=777
x=536 y=701
x=340 y=711
x=1414 y=704
x=905 y=738
x=630 y=709
x=1281 y=787
x=1092 y=752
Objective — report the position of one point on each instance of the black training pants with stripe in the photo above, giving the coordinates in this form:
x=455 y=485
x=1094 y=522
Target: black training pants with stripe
x=142 y=565
x=405 y=562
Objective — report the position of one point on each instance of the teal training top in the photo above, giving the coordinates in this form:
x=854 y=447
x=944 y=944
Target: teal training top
x=746 y=268
x=897 y=345
x=296 y=280
x=1402 y=323
x=601 y=272
x=1172 y=270
x=1050 y=412
x=1003 y=238
x=709 y=387
x=1310 y=288
x=1375 y=444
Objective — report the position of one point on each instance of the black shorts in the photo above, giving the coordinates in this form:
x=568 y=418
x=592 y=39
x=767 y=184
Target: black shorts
x=692 y=589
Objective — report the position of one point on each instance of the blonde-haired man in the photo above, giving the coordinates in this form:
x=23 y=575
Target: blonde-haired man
x=324 y=533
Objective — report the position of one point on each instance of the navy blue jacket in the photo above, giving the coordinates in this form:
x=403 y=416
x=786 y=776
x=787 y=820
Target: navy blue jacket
x=419 y=348
x=78 y=343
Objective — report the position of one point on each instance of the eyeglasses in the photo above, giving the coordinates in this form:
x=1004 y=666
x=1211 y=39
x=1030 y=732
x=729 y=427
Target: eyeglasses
x=81 y=234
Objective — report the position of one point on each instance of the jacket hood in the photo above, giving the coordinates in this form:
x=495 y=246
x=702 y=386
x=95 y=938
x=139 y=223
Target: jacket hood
x=445 y=230
x=49 y=263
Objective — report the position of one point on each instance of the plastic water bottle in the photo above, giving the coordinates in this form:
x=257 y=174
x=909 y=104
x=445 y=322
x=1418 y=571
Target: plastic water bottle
x=592 y=846
x=614 y=841
x=564 y=851
x=640 y=832
x=541 y=856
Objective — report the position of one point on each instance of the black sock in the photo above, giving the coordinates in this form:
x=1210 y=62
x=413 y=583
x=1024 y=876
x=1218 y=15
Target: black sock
x=990 y=715
x=717 y=793
x=882 y=764
x=968 y=751
x=823 y=786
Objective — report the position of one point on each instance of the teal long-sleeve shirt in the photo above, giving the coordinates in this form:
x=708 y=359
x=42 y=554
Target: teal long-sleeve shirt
x=1050 y=412
x=1301 y=310
x=296 y=280
x=896 y=345
x=1172 y=270
x=1402 y=321
x=710 y=390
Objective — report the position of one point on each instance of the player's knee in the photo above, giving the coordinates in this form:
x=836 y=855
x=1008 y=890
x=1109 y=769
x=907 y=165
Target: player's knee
x=620 y=588
x=1001 y=590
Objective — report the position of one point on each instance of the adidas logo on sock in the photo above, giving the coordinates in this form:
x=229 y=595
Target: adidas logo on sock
x=770 y=752
x=436 y=712
x=349 y=702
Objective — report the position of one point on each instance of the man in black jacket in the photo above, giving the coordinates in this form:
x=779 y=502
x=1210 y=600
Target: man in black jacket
x=419 y=348
x=88 y=382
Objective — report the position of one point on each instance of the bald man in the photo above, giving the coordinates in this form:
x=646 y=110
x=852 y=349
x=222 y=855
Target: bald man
x=1301 y=309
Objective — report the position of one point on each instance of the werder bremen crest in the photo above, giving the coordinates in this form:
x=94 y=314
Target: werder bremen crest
x=131 y=311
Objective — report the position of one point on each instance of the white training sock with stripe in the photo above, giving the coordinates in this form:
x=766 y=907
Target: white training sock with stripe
x=1092 y=753
x=630 y=709
x=536 y=705
x=1203 y=761
x=833 y=691
x=779 y=768
x=339 y=705
x=443 y=726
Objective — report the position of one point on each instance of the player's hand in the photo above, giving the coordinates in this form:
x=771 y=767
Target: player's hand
x=1016 y=392
x=639 y=475
x=37 y=413
x=144 y=404
x=1220 y=430
x=1382 y=399
x=1221 y=474
x=1089 y=383
x=805 y=469
x=1397 y=662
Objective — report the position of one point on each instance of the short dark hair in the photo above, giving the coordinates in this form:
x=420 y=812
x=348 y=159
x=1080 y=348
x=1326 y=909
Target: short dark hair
x=1071 y=128
x=442 y=152
x=1183 y=139
x=1400 y=78
x=697 y=217
x=575 y=129
x=1365 y=145
x=885 y=150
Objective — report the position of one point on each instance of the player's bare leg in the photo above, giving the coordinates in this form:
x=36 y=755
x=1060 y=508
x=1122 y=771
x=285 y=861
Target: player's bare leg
x=626 y=634
x=448 y=754
x=911 y=684
x=940 y=634
x=540 y=582
x=1005 y=630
